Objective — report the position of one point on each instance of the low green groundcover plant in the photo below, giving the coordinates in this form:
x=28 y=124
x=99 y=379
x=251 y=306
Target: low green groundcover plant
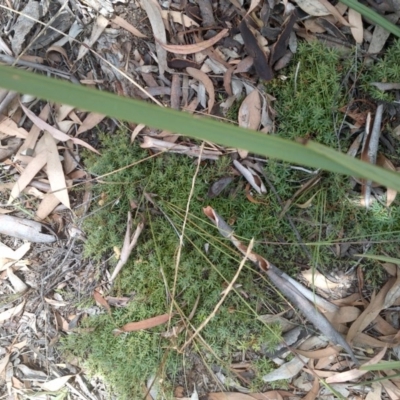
x=208 y=262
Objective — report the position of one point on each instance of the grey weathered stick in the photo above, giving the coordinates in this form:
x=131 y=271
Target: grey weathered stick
x=24 y=229
x=308 y=309
x=128 y=246
x=279 y=279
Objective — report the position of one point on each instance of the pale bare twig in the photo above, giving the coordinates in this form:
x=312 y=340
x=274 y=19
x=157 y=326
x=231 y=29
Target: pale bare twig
x=178 y=256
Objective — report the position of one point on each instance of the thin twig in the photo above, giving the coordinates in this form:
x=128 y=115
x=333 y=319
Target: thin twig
x=218 y=305
x=179 y=253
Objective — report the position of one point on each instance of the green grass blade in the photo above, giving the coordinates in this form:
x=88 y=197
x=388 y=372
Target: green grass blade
x=373 y=16
x=379 y=258
x=381 y=366
x=122 y=108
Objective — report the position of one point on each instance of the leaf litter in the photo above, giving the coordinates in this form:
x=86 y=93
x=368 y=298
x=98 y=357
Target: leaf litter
x=216 y=60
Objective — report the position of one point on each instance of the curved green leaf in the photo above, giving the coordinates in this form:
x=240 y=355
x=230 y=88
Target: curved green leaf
x=310 y=154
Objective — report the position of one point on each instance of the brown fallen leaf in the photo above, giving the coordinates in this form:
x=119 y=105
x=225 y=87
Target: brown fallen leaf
x=46 y=206
x=56 y=133
x=11 y=312
x=56 y=384
x=18 y=285
x=91 y=120
x=254 y=50
x=179 y=18
x=10 y=128
x=27 y=175
x=334 y=11
x=55 y=171
x=313 y=393
x=280 y=46
x=127 y=26
x=317 y=354
x=253 y=5
x=370 y=313
x=99 y=299
x=97 y=29
x=356 y=27
x=195 y=48
x=153 y=11
x=206 y=81
x=146 y=323
x=355 y=373
x=229 y=396
x=313 y=7
x=249 y=115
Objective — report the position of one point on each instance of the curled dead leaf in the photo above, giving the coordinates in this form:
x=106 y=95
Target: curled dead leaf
x=146 y=323
x=206 y=81
x=194 y=48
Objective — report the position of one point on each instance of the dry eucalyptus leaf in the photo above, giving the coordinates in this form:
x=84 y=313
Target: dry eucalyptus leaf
x=146 y=323
x=55 y=171
x=127 y=26
x=56 y=384
x=30 y=171
x=179 y=18
x=206 y=81
x=11 y=312
x=56 y=133
x=356 y=25
x=91 y=120
x=153 y=11
x=18 y=285
x=312 y=7
x=98 y=29
x=10 y=128
x=195 y=48
x=250 y=111
x=251 y=177
x=287 y=370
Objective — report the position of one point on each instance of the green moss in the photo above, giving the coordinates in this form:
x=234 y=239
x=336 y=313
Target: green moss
x=386 y=70
x=309 y=97
x=200 y=275
x=126 y=361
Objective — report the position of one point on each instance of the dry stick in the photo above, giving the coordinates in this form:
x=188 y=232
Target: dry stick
x=94 y=52
x=218 y=305
x=372 y=149
x=278 y=277
x=316 y=318
x=128 y=246
x=178 y=256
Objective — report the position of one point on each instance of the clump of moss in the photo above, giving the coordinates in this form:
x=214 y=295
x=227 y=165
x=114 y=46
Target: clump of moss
x=309 y=95
x=208 y=262
x=386 y=70
x=125 y=361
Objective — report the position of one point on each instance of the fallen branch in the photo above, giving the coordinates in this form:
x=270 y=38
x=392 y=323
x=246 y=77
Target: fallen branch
x=281 y=281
